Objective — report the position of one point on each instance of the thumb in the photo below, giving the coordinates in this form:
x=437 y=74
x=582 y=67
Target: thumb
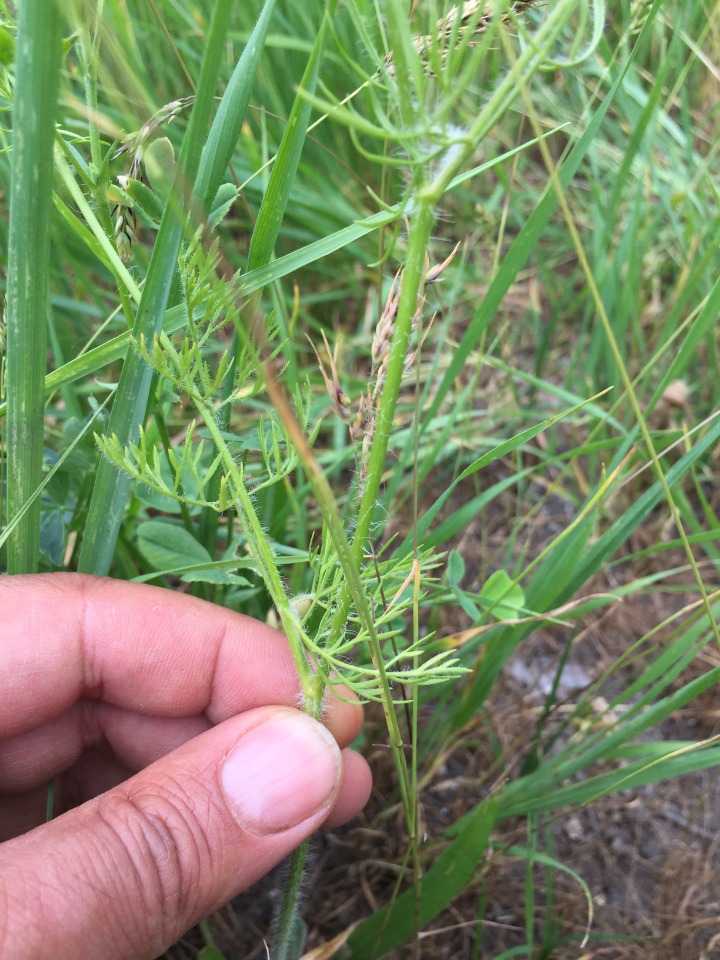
x=126 y=874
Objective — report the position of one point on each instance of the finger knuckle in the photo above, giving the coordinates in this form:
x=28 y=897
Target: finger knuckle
x=163 y=839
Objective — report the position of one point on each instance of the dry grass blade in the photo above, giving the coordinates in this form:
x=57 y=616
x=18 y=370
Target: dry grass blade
x=330 y=949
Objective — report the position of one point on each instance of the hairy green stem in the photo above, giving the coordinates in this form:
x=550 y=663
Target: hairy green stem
x=328 y=507
x=421 y=224
x=426 y=197
x=284 y=943
x=311 y=682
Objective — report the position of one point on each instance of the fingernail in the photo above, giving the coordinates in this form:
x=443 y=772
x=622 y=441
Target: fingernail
x=281 y=772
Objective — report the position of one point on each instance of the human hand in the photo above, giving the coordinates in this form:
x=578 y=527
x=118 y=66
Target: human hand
x=101 y=678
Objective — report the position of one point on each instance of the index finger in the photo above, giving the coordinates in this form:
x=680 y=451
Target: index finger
x=67 y=636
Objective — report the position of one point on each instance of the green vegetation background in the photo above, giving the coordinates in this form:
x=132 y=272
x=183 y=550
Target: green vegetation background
x=421 y=475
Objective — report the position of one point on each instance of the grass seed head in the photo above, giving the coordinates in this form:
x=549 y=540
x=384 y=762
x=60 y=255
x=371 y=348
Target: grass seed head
x=471 y=18
x=125 y=227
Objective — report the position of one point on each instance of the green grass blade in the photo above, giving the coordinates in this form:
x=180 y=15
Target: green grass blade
x=110 y=493
x=230 y=115
x=284 y=170
x=694 y=757
x=690 y=345
x=392 y=925
x=640 y=127
x=176 y=317
x=620 y=531
x=525 y=242
x=267 y=226
x=36 y=86
x=456 y=522
x=565 y=569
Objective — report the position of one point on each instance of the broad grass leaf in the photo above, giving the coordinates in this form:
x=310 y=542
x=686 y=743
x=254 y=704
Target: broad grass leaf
x=505 y=597
x=455 y=568
x=395 y=923
x=173 y=551
x=166 y=546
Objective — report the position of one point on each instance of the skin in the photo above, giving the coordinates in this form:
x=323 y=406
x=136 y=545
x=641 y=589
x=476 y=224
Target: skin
x=183 y=769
